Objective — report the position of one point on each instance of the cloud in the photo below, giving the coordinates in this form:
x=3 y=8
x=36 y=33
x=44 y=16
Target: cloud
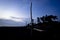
x=5 y=22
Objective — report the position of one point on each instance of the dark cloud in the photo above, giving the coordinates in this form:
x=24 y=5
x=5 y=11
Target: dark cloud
x=5 y=22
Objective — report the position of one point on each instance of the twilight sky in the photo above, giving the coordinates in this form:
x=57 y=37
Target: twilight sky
x=20 y=9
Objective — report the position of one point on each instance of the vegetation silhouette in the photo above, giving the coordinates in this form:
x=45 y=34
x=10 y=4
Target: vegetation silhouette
x=49 y=18
x=50 y=24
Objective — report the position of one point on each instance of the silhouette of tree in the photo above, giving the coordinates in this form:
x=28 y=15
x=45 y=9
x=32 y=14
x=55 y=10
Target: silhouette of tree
x=38 y=20
x=50 y=25
x=43 y=19
x=49 y=18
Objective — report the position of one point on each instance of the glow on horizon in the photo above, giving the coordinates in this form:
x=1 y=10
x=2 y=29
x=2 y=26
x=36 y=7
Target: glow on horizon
x=12 y=8
x=7 y=13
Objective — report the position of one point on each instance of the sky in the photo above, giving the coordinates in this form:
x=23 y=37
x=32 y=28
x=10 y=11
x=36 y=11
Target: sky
x=19 y=10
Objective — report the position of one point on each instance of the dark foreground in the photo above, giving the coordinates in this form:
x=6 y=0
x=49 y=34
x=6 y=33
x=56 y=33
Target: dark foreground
x=22 y=33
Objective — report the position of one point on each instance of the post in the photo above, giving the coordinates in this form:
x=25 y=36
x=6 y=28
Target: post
x=31 y=16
